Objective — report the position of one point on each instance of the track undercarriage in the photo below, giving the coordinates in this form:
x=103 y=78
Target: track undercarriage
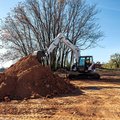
x=87 y=75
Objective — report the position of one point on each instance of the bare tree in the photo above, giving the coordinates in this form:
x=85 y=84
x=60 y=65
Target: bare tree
x=115 y=59
x=34 y=24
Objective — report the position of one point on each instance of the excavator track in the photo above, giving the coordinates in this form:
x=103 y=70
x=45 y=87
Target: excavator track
x=89 y=75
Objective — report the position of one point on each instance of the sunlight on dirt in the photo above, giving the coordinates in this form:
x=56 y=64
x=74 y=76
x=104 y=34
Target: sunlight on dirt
x=100 y=101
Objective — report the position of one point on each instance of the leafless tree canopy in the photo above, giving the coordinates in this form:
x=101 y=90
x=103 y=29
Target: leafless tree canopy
x=32 y=25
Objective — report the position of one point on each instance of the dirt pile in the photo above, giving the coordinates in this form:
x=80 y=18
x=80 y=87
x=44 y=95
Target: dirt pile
x=7 y=85
x=29 y=79
x=23 y=64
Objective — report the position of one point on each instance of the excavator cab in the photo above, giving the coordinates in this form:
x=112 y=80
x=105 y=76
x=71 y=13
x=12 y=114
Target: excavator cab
x=85 y=68
x=84 y=63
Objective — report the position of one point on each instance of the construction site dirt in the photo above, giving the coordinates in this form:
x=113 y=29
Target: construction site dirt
x=29 y=79
x=100 y=100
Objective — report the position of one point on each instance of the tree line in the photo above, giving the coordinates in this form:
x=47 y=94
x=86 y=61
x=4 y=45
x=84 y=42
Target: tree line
x=114 y=62
x=32 y=25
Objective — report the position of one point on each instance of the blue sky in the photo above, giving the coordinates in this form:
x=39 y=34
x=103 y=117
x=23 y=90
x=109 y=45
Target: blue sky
x=6 y=6
x=109 y=20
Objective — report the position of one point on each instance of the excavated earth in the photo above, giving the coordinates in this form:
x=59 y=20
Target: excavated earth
x=29 y=79
x=100 y=101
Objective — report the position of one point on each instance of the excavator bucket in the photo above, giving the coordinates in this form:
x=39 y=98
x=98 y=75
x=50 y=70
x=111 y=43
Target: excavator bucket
x=40 y=55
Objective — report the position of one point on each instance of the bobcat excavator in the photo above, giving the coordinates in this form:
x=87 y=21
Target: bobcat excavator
x=84 y=67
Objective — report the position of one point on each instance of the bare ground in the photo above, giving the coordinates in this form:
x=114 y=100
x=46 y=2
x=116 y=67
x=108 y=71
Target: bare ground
x=100 y=100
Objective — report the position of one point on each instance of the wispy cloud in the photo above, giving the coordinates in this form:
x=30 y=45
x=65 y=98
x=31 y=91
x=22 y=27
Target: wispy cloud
x=111 y=9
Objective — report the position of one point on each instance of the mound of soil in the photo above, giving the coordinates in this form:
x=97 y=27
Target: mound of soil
x=7 y=85
x=29 y=79
x=23 y=64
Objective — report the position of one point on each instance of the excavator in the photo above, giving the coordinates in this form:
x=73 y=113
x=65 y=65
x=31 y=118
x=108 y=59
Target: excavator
x=84 y=67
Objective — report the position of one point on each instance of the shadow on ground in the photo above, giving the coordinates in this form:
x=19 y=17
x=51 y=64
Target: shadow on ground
x=98 y=88
x=110 y=80
x=76 y=92
x=108 y=74
x=102 y=79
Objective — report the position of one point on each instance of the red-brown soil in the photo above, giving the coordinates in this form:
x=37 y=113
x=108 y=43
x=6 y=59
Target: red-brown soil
x=23 y=64
x=100 y=101
x=29 y=79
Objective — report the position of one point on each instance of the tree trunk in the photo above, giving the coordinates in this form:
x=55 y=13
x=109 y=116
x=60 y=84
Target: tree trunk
x=71 y=59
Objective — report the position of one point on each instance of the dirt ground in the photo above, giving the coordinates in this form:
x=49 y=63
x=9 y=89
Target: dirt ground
x=100 y=100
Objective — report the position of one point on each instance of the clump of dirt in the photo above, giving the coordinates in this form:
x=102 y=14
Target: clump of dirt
x=29 y=79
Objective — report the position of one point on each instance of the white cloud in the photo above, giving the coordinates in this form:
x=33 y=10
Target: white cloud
x=7 y=64
x=109 y=8
x=3 y=50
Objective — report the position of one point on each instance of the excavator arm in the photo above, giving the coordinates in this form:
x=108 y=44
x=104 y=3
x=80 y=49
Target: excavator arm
x=61 y=38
